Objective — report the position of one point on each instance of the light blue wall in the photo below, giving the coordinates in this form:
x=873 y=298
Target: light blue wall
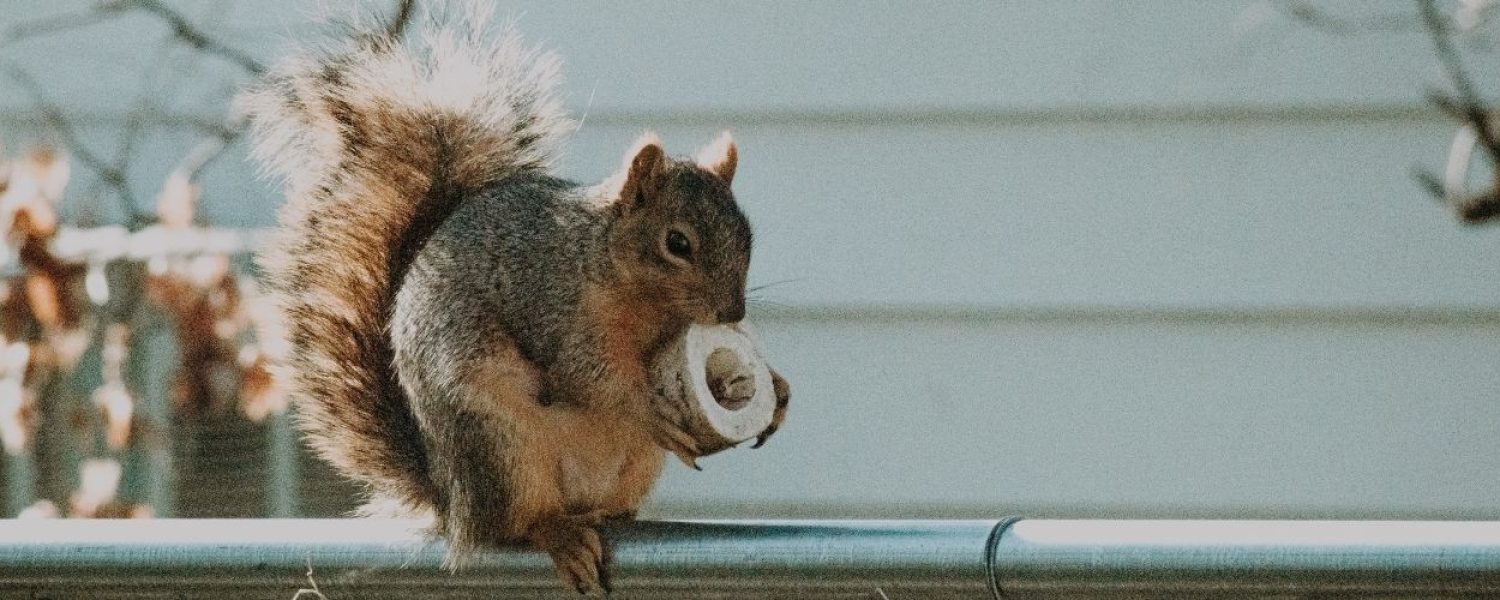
x=1068 y=257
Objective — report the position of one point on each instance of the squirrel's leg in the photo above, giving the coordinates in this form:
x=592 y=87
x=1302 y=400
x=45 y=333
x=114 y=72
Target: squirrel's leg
x=509 y=494
x=489 y=455
x=580 y=554
x=471 y=457
x=539 y=513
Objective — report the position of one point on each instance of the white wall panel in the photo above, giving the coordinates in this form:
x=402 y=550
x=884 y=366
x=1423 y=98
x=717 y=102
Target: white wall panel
x=1152 y=418
x=1172 y=214
x=1129 y=257
x=1299 y=214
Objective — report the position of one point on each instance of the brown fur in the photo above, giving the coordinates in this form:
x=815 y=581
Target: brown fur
x=367 y=153
x=469 y=335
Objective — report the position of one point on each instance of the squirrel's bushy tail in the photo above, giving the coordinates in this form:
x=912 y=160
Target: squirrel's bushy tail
x=377 y=141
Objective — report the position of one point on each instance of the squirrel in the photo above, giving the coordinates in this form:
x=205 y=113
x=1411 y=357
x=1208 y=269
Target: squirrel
x=470 y=334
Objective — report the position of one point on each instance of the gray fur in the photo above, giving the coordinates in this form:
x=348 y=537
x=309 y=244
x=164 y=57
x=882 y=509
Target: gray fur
x=424 y=242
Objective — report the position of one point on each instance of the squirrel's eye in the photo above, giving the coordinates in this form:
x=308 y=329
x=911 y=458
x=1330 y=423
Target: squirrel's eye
x=678 y=245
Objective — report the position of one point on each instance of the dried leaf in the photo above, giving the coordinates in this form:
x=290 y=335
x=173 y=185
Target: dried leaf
x=177 y=202
x=15 y=422
x=99 y=481
x=42 y=509
x=118 y=407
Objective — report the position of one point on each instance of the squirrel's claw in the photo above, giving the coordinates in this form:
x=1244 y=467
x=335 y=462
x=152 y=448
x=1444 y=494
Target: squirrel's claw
x=605 y=578
x=760 y=440
x=671 y=436
x=577 y=551
x=688 y=459
x=578 y=570
x=681 y=445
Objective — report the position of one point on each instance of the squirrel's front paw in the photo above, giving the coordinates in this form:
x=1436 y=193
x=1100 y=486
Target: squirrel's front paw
x=580 y=555
x=783 y=398
x=668 y=427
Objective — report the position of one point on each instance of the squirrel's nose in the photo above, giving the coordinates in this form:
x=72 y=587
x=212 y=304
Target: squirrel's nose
x=733 y=313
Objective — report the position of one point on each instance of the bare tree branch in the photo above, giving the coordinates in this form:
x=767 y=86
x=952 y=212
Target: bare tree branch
x=144 y=103
x=60 y=23
x=182 y=29
x=111 y=175
x=1317 y=18
x=1465 y=104
x=1468 y=106
x=1479 y=209
x=135 y=123
x=220 y=138
x=399 y=21
x=207 y=150
x=1430 y=182
x=114 y=173
x=150 y=114
x=192 y=36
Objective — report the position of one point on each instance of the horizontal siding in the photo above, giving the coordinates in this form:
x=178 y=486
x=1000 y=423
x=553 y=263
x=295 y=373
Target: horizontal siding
x=1109 y=418
x=1236 y=215
x=1164 y=215
x=663 y=57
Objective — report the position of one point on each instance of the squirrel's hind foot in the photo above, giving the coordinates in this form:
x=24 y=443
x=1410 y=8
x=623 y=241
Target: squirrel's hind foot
x=579 y=554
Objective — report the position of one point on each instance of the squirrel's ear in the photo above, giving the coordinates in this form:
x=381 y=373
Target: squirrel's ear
x=641 y=177
x=719 y=157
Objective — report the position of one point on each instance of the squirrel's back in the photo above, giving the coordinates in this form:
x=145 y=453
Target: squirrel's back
x=377 y=142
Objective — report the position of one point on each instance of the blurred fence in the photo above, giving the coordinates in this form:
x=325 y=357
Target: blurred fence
x=134 y=375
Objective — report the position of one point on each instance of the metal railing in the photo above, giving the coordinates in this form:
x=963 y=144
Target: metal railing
x=1009 y=559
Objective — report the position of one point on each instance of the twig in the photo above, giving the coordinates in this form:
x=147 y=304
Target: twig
x=107 y=172
x=1470 y=106
x=135 y=123
x=207 y=150
x=114 y=173
x=203 y=154
x=1430 y=182
x=1317 y=18
x=312 y=591
x=1466 y=106
x=182 y=29
x=60 y=23
x=1479 y=209
x=152 y=114
x=217 y=141
x=397 y=25
x=189 y=34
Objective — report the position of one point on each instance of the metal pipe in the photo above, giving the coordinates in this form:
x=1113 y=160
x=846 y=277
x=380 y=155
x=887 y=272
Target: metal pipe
x=20 y=481
x=388 y=559
x=283 y=480
x=102 y=245
x=157 y=436
x=1025 y=559
x=1036 y=559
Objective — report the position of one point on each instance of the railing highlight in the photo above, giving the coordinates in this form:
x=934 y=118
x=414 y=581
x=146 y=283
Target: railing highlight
x=899 y=560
